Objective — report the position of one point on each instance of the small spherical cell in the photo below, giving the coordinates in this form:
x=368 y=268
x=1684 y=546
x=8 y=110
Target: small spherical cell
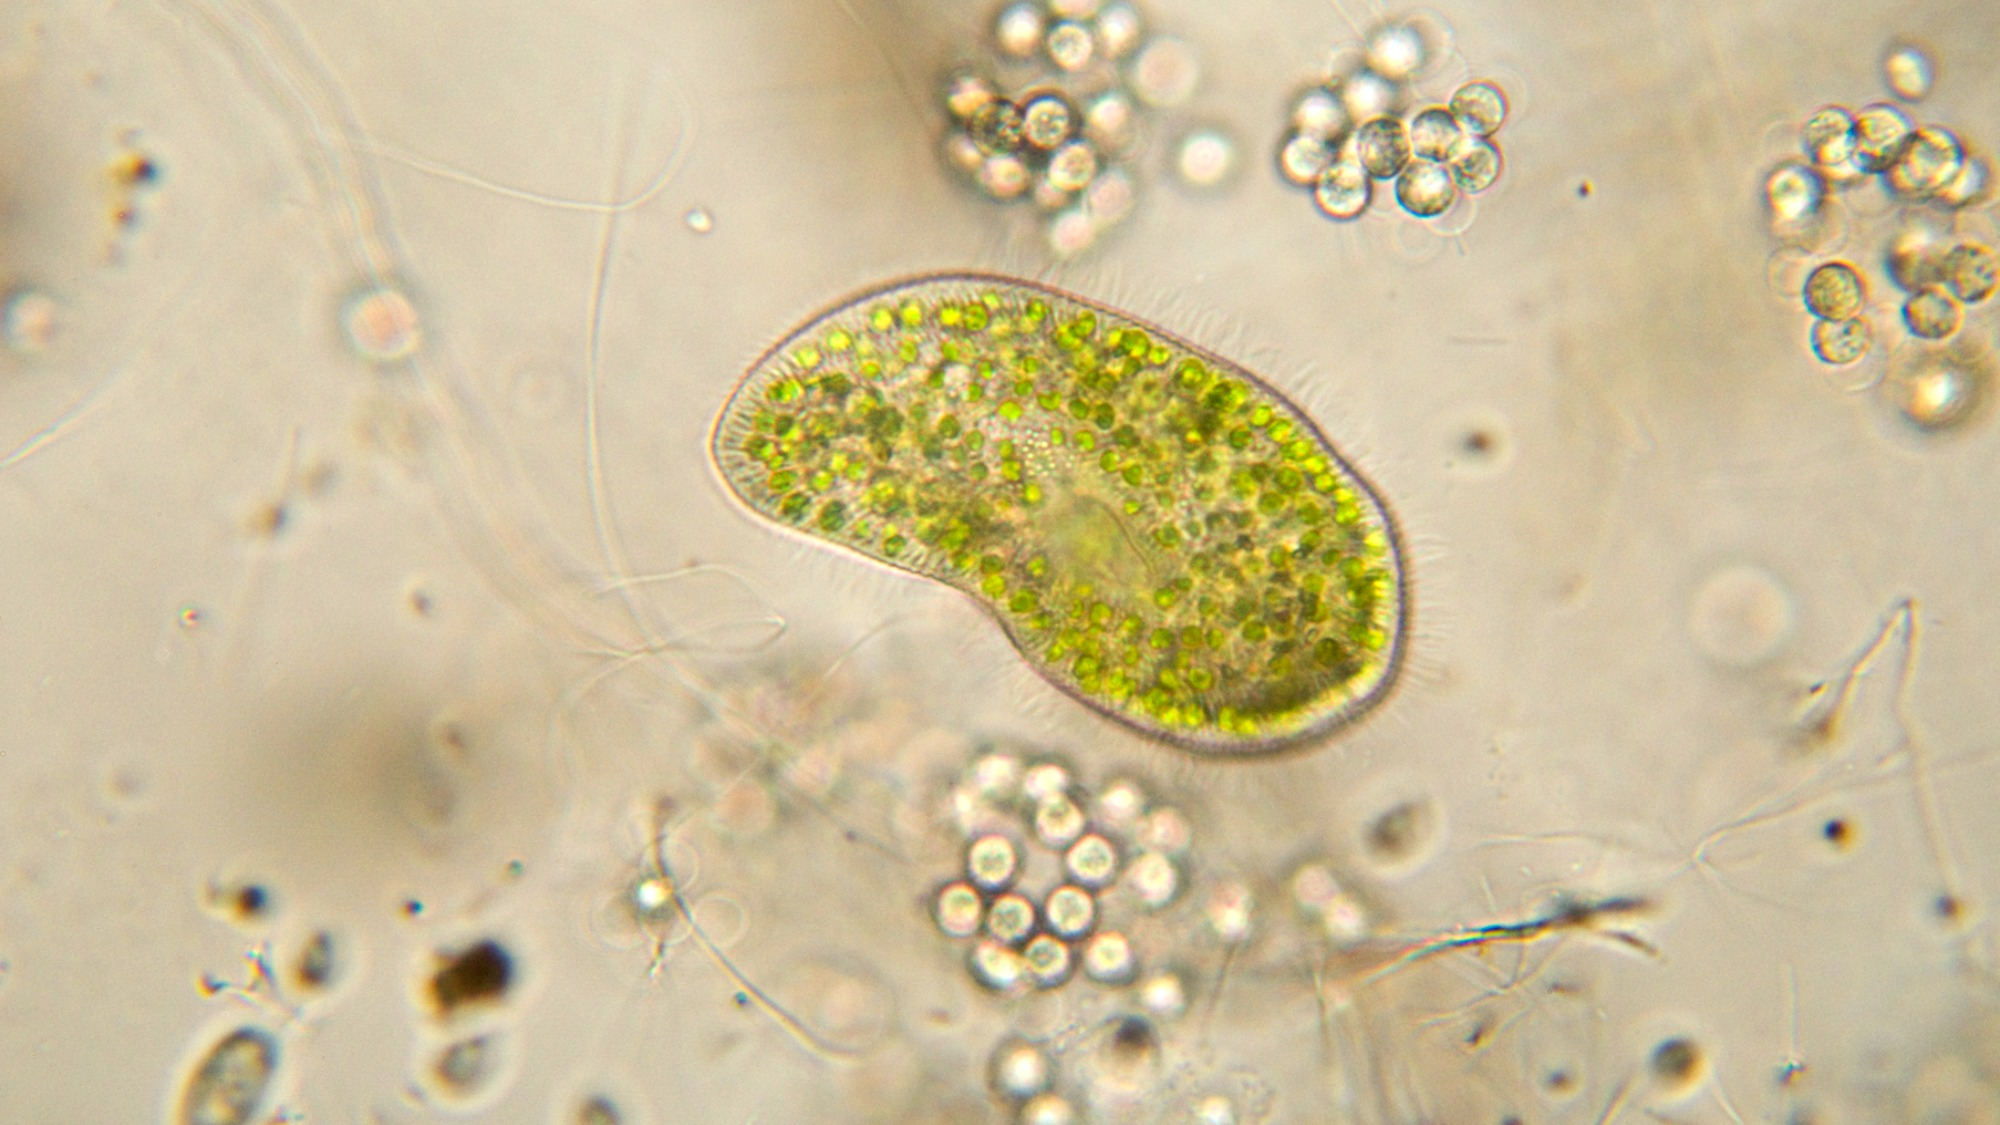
x=1071 y=232
x=1167 y=830
x=1908 y=70
x=1229 y=912
x=1108 y=958
x=991 y=862
x=996 y=127
x=1396 y=51
x=1741 y=616
x=1930 y=160
x=381 y=325
x=1165 y=73
x=1916 y=256
x=1048 y=1109
x=1163 y=995
x=1433 y=133
x=1303 y=158
x=1382 y=145
x=1426 y=189
x=1970 y=187
x=1011 y=919
x=1070 y=45
x=1838 y=343
x=1045 y=781
x=1004 y=176
x=1206 y=158
x=1018 y=1069
x=1154 y=879
x=1678 y=1065
x=1048 y=960
x=1475 y=164
x=997 y=775
x=1932 y=313
x=1367 y=95
x=962 y=153
x=1046 y=121
x=1092 y=861
x=1827 y=138
x=1017 y=31
x=1108 y=198
x=1880 y=132
x=1058 y=822
x=1070 y=912
x=996 y=966
x=1111 y=122
x=1119 y=805
x=966 y=93
x=1118 y=30
x=700 y=221
x=1480 y=107
x=1969 y=271
x=28 y=321
x=959 y=910
x=1834 y=291
x=1072 y=166
x=1318 y=113
x=1939 y=392
x=1794 y=193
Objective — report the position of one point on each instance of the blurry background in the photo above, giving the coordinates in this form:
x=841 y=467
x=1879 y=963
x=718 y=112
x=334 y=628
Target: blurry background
x=403 y=724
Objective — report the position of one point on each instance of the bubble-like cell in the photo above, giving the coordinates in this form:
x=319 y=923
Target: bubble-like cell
x=1908 y=70
x=1167 y=830
x=1827 y=138
x=1154 y=879
x=1426 y=189
x=28 y=321
x=1205 y=158
x=1480 y=107
x=1072 y=166
x=1433 y=132
x=1165 y=72
x=1048 y=961
x=1318 y=112
x=381 y=325
x=1111 y=122
x=1940 y=390
x=1018 y=1069
x=1108 y=958
x=1343 y=191
x=1045 y=781
x=1216 y=1109
x=1741 y=616
x=1397 y=51
x=1047 y=121
x=1303 y=158
x=1004 y=176
x=1841 y=342
x=1048 y=1109
x=1932 y=313
x=1475 y=164
x=1382 y=145
x=1010 y=919
x=1794 y=194
x=1118 y=29
x=1164 y=995
x=1157 y=532
x=1092 y=861
x=1017 y=30
x=1230 y=912
x=1070 y=912
x=231 y=1082
x=992 y=862
x=1059 y=821
x=1367 y=95
x=1969 y=271
x=699 y=220
x=959 y=910
x=1929 y=160
x=1880 y=132
x=1834 y=291
x=1071 y=45
x=997 y=966
x=1120 y=804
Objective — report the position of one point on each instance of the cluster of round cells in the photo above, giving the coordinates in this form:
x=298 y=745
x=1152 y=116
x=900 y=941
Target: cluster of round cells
x=1049 y=865
x=1895 y=215
x=1055 y=113
x=1367 y=133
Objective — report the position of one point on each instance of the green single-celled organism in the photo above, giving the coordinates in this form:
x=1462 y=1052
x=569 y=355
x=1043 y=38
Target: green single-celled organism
x=1160 y=533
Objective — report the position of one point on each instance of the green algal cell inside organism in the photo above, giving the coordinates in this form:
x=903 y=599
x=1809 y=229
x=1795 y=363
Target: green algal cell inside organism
x=1159 y=533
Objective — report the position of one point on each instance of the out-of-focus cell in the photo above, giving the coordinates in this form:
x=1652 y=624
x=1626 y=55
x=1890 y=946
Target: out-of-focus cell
x=597 y=1109
x=1047 y=121
x=1071 y=46
x=1119 y=805
x=1092 y=861
x=1880 y=133
x=1741 y=616
x=1303 y=158
x=1004 y=176
x=1164 y=995
x=699 y=220
x=1834 y=291
x=1367 y=95
x=1118 y=29
x=1909 y=72
x=1915 y=256
x=1828 y=139
x=1108 y=958
x=1111 y=122
x=1397 y=51
x=1433 y=132
x=996 y=127
x=1070 y=911
x=1321 y=896
x=477 y=975
x=318 y=962
x=1072 y=166
x=1018 y=29
x=1010 y=919
x=991 y=863
x=231 y=1082
x=1019 y=1070
x=1154 y=879
x=1426 y=189
x=1045 y=781
x=1048 y=1109
x=381 y=325
x=1048 y=961
x=28 y=321
x=1932 y=313
x=997 y=966
x=1402 y=835
x=1841 y=342
x=1215 y=1109
x=1230 y=912
x=1475 y=164
x=1058 y=821
x=1677 y=1066
x=1318 y=112
x=1205 y=158
x=467 y=1069
x=959 y=910
x=245 y=902
x=966 y=93
x=1929 y=160
x=1165 y=72
x=1480 y=107
x=1940 y=390
x=1382 y=145
x=1167 y=830
x=1971 y=187
x=1969 y=271
x=1793 y=193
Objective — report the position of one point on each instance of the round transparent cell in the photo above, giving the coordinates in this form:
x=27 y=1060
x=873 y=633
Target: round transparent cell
x=997 y=966
x=1930 y=159
x=1382 y=146
x=1048 y=1109
x=1970 y=270
x=966 y=93
x=1318 y=112
x=1119 y=805
x=1230 y=912
x=1793 y=195
x=1741 y=616
x=1005 y=176
x=1019 y=1070
x=1111 y=122
x=1108 y=958
x=1058 y=821
x=1828 y=140
x=1047 y=120
x=1018 y=29
x=1303 y=158
x=959 y=910
x=1164 y=995
x=1433 y=133
x=1048 y=961
x=1118 y=29
x=1010 y=919
x=1841 y=342
x=1367 y=95
x=1205 y=158
x=1070 y=912
x=1397 y=51
x=1165 y=72
x=1167 y=830
x=1480 y=107
x=1915 y=255
x=992 y=862
x=1880 y=132
x=1092 y=861
x=1070 y=45
x=1154 y=879
x=29 y=321
x=996 y=127
x=1940 y=390
x=232 y=1082
x=1908 y=71
x=1426 y=189
x=381 y=325
x=1932 y=313
x=1475 y=164
x=1072 y=166
x=1835 y=291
